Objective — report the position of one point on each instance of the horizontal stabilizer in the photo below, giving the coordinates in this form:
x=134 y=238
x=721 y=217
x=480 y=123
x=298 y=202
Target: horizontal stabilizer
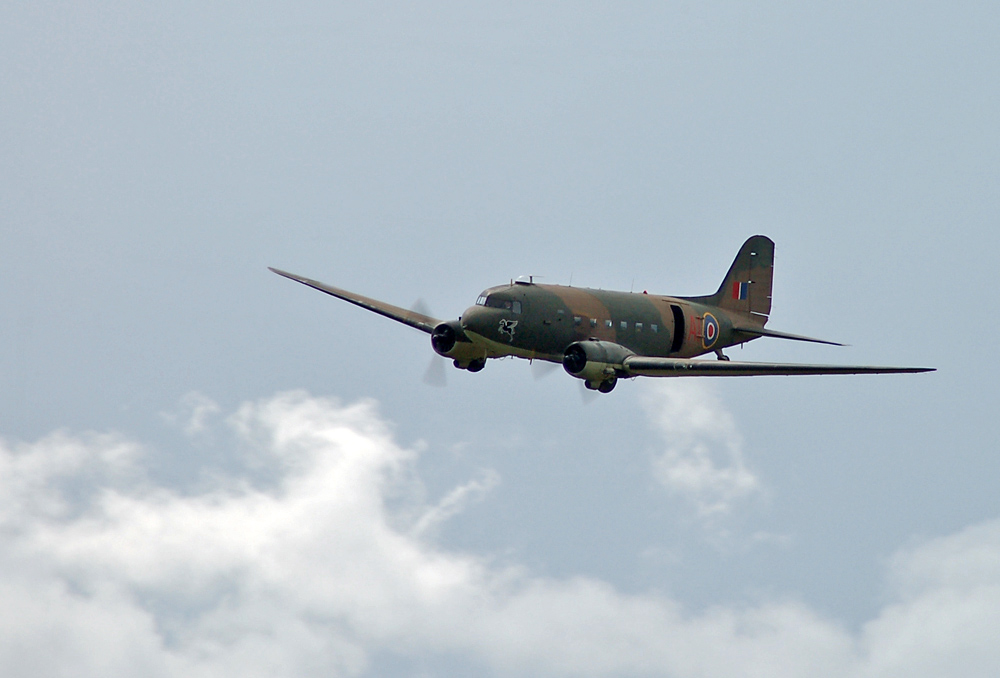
x=761 y=332
x=420 y=321
x=642 y=366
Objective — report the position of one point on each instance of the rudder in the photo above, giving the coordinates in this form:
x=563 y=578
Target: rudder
x=747 y=286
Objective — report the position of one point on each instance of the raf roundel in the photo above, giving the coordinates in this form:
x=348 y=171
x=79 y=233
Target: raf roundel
x=709 y=331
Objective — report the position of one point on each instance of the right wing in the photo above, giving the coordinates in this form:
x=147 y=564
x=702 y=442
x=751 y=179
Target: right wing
x=643 y=366
x=761 y=332
x=420 y=321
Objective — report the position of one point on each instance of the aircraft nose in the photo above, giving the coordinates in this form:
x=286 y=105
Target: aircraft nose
x=476 y=318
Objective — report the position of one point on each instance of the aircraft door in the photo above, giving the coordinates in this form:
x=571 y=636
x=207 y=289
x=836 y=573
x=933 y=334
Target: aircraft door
x=679 y=328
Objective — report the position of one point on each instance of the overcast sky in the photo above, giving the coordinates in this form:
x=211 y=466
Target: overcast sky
x=206 y=469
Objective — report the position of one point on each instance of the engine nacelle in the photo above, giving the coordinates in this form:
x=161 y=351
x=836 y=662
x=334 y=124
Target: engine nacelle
x=449 y=339
x=595 y=361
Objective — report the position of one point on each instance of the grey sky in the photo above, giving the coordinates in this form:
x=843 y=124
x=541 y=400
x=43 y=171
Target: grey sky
x=157 y=159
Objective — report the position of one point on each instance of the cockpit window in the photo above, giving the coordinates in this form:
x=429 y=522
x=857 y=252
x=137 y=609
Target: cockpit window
x=517 y=306
x=481 y=301
x=495 y=301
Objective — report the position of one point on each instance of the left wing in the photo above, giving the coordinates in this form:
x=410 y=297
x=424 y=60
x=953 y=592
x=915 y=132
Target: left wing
x=420 y=321
x=642 y=366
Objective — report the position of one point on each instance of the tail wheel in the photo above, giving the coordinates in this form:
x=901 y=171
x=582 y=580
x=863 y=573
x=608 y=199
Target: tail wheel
x=608 y=385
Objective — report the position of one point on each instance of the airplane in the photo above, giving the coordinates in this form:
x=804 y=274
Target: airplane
x=602 y=336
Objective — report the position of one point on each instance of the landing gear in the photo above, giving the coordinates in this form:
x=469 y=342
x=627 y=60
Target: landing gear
x=721 y=355
x=473 y=365
x=606 y=386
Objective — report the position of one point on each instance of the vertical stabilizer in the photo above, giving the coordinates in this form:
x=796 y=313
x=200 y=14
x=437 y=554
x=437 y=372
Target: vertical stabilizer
x=747 y=286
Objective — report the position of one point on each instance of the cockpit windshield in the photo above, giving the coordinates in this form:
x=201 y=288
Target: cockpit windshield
x=498 y=301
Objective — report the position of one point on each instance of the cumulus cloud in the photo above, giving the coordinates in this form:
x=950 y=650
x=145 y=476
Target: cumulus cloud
x=945 y=616
x=193 y=413
x=702 y=456
x=103 y=572
x=456 y=501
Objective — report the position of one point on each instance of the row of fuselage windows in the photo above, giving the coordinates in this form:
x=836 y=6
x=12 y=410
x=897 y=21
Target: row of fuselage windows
x=514 y=306
x=609 y=324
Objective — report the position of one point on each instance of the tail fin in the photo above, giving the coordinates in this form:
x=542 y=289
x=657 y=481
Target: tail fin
x=747 y=286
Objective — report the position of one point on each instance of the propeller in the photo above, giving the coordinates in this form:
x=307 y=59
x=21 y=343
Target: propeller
x=435 y=375
x=420 y=306
x=542 y=368
x=588 y=395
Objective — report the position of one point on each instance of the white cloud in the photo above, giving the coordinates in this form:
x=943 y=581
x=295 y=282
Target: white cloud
x=456 y=501
x=103 y=573
x=702 y=458
x=193 y=413
x=945 y=618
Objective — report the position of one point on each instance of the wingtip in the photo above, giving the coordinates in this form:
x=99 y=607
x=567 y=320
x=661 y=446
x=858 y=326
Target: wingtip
x=283 y=274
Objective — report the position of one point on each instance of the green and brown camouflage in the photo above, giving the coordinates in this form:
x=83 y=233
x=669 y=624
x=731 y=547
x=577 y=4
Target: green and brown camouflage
x=600 y=336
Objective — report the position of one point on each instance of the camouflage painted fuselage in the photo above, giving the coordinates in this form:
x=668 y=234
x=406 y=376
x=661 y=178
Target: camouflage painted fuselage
x=539 y=321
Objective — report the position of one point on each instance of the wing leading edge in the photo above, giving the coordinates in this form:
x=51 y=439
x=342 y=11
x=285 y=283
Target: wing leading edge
x=761 y=332
x=422 y=322
x=642 y=366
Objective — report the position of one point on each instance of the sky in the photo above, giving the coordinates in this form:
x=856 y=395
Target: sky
x=206 y=469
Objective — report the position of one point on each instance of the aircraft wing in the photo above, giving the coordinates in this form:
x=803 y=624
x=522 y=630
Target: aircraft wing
x=420 y=321
x=642 y=366
x=761 y=332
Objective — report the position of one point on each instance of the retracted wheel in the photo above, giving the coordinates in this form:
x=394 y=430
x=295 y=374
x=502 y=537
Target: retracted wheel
x=476 y=365
x=608 y=385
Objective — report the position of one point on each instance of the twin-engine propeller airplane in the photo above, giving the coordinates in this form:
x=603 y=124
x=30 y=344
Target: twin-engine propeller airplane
x=601 y=336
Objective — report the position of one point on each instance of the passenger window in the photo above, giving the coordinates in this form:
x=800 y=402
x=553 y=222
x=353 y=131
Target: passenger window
x=654 y=328
x=623 y=325
x=593 y=322
x=608 y=324
x=577 y=320
x=638 y=327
